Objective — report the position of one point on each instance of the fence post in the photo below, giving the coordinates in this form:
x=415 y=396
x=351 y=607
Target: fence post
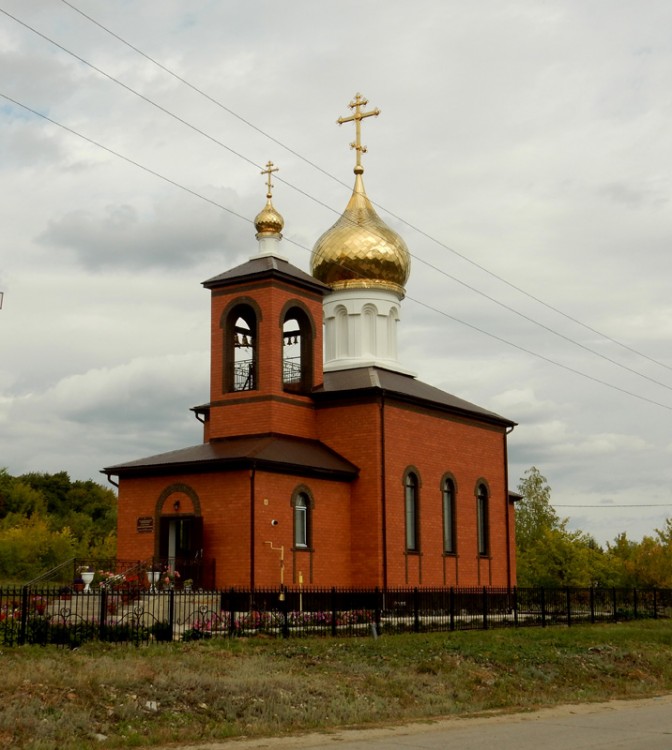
x=333 y=611
x=102 y=613
x=568 y=597
x=613 y=603
x=377 y=615
x=24 y=616
x=485 y=608
x=592 y=605
x=416 y=610
x=634 y=602
x=284 y=604
x=655 y=604
x=171 y=609
x=543 y=608
x=451 y=604
x=515 y=606
x=232 y=612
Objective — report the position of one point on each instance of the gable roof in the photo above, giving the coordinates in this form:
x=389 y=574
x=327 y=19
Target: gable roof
x=278 y=453
x=376 y=380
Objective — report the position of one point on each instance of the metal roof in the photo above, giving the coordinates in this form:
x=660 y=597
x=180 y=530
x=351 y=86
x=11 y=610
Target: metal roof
x=267 y=266
x=279 y=453
x=361 y=380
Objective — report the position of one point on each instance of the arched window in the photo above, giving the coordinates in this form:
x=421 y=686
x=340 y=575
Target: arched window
x=303 y=505
x=449 y=522
x=412 y=507
x=297 y=349
x=482 y=523
x=240 y=324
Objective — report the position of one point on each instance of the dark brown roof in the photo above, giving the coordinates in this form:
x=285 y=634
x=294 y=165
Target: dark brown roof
x=277 y=453
x=359 y=381
x=267 y=266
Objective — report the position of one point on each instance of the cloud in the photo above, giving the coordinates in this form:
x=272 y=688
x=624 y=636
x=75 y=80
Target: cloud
x=529 y=137
x=632 y=196
x=171 y=234
x=107 y=413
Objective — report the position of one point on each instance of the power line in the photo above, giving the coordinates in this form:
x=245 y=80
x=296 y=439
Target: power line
x=531 y=296
x=320 y=202
x=609 y=507
x=306 y=194
x=303 y=247
x=541 y=356
x=131 y=90
x=299 y=190
x=123 y=157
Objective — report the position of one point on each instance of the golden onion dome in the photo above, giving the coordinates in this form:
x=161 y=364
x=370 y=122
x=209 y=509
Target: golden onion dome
x=269 y=221
x=360 y=250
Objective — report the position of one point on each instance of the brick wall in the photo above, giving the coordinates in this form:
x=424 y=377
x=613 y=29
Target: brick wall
x=349 y=543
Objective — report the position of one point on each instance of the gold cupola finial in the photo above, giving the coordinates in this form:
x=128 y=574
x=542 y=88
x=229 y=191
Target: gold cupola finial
x=360 y=251
x=269 y=222
x=270 y=168
x=356 y=104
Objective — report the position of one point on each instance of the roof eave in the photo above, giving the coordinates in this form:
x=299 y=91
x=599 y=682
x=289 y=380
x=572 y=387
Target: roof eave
x=377 y=391
x=298 y=279
x=229 y=464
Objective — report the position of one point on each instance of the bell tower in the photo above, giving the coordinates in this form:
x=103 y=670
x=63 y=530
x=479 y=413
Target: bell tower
x=266 y=340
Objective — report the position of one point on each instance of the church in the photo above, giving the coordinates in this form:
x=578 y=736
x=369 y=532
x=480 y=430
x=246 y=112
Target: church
x=324 y=462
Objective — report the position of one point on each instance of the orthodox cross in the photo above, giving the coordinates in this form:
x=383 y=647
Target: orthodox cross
x=356 y=104
x=269 y=185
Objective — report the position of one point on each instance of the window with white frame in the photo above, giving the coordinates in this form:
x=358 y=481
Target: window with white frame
x=411 y=500
x=482 y=520
x=449 y=525
x=302 y=511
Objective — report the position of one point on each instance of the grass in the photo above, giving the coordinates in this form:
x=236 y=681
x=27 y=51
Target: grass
x=117 y=696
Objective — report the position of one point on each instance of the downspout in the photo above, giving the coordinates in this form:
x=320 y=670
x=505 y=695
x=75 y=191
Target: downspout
x=383 y=496
x=253 y=472
x=506 y=505
x=110 y=480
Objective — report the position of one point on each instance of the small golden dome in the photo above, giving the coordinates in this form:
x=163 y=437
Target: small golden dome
x=268 y=221
x=360 y=250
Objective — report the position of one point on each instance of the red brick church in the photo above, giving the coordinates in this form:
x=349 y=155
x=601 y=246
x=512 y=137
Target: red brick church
x=324 y=462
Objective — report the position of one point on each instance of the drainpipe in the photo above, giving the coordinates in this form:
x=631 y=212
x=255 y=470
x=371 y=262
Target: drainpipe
x=253 y=472
x=383 y=495
x=506 y=505
x=110 y=480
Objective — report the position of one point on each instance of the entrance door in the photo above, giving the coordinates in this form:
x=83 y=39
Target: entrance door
x=181 y=545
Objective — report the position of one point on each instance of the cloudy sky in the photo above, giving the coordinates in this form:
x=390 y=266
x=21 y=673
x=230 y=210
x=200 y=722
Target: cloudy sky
x=523 y=152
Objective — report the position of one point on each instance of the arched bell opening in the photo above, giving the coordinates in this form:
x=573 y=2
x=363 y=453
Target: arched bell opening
x=298 y=333
x=241 y=367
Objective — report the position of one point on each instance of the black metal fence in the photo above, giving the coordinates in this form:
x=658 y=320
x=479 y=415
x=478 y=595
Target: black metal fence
x=142 y=614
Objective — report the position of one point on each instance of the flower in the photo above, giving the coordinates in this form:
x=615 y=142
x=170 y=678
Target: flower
x=169 y=575
x=109 y=578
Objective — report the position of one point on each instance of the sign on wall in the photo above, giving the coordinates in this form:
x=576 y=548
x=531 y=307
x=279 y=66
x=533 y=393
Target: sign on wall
x=145 y=525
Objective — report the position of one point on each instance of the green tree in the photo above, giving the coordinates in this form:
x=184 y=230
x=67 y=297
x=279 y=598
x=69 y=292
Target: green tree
x=31 y=548
x=644 y=564
x=547 y=553
x=534 y=514
x=54 y=488
x=47 y=518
